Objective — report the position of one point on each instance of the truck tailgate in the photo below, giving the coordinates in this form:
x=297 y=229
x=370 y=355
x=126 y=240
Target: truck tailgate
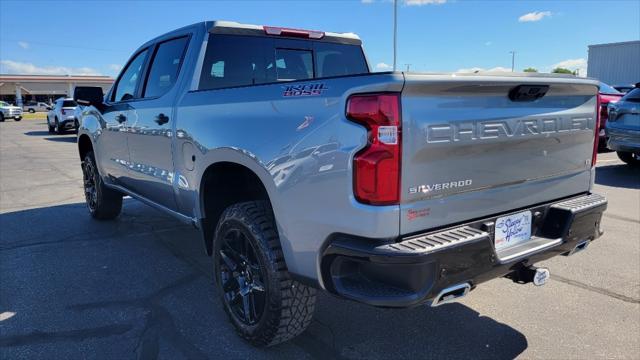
x=469 y=150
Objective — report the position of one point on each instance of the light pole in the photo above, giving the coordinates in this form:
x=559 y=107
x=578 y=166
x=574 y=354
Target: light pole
x=395 y=32
x=513 y=59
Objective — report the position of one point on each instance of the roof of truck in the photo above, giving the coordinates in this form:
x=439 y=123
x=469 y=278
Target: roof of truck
x=236 y=28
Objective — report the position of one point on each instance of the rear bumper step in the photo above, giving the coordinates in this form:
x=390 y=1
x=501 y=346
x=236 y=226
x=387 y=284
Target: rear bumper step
x=420 y=269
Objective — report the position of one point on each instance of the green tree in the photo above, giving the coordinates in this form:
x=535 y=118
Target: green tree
x=530 y=69
x=560 y=70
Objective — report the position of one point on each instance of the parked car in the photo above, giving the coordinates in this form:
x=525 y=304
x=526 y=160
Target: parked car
x=623 y=127
x=61 y=117
x=606 y=95
x=303 y=170
x=33 y=106
x=624 y=88
x=8 y=111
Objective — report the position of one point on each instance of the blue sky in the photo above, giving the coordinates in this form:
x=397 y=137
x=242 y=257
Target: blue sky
x=97 y=37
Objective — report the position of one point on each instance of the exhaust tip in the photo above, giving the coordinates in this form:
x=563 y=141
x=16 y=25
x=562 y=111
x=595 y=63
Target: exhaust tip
x=451 y=294
x=581 y=246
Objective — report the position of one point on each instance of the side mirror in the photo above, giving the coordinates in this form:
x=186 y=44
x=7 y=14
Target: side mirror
x=89 y=95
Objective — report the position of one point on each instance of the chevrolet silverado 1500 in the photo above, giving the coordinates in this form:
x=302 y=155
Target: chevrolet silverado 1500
x=303 y=170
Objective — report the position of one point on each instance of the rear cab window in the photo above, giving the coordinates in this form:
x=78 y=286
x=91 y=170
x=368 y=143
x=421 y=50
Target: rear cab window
x=241 y=60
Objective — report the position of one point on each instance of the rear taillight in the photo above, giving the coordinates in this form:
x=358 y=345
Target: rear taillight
x=376 y=168
x=596 y=131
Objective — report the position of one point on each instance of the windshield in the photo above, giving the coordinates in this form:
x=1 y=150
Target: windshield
x=606 y=89
x=2 y=103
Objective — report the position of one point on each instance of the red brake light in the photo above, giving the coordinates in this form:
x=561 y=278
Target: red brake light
x=376 y=169
x=280 y=31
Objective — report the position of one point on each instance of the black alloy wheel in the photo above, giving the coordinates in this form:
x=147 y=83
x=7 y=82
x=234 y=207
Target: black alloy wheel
x=242 y=277
x=89 y=175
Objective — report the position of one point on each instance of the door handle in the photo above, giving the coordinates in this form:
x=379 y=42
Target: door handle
x=162 y=119
x=121 y=118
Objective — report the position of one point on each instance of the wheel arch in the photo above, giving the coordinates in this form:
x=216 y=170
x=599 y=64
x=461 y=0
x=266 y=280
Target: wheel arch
x=226 y=182
x=84 y=145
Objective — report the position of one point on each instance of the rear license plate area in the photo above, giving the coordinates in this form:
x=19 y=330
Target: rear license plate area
x=512 y=229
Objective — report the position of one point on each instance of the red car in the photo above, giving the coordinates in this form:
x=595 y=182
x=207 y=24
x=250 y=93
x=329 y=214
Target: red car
x=607 y=94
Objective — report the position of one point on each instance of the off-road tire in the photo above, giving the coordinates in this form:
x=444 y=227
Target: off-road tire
x=289 y=305
x=629 y=158
x=52 y=129
x=107 y=203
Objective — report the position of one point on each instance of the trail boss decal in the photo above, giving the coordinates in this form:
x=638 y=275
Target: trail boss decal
x=304 y=90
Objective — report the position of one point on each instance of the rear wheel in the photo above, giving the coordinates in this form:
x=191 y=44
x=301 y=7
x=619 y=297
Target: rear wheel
x=32 y=111
x=17 y=118
x=629 y=158
x=52 y=129
x=263 y=303
x=103 y=203
x=59 y=130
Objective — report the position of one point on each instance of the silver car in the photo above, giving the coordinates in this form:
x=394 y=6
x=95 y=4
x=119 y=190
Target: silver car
x=62 y=116
x=33 y=107
x=623 y=127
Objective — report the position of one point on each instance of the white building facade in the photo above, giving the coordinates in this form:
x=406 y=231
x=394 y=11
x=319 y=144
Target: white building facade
x=21 y=89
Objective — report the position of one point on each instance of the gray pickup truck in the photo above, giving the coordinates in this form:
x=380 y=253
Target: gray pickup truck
x=303 y=170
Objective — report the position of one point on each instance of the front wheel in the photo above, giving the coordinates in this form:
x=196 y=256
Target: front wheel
x=629 y=158
x=17 y=118
x=263 y=303
x=103 y=203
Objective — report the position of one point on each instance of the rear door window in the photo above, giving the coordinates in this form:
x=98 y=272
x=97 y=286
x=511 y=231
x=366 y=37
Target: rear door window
x=165 y=67
x=128 y=82
x=236 y=61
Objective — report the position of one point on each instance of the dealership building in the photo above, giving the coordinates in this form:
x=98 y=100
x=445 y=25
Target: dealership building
x=615 y=63
x=21 y=89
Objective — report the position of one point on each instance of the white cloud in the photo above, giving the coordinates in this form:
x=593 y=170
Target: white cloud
x=573 y=64
x=488 y=43
x=479 y=69
x=16 y=67
x=423 y=2
x=534 y=16
x=115 y=67
x=383 y=67
x=23 y=44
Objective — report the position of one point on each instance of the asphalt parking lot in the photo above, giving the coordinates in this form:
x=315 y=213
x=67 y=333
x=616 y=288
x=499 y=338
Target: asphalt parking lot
x=140 y=286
